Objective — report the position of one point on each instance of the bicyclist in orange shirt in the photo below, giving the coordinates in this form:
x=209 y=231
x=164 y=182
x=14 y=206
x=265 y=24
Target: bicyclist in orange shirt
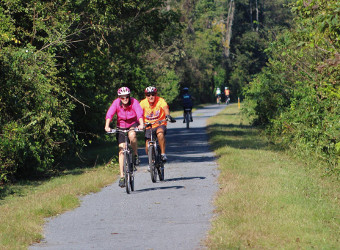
x=155 y=109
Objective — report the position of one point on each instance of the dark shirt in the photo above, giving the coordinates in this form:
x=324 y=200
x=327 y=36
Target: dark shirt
x=187 y=101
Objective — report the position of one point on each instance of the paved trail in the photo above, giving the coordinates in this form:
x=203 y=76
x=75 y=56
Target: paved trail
x=174 y=214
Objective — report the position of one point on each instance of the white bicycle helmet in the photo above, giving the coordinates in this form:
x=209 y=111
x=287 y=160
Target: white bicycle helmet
x=123 y=91
x=150 y=89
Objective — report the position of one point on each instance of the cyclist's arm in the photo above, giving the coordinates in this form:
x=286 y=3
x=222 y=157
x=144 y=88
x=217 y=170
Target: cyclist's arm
x=141 y=124
x=107 y=125
x=110 y=113
x=166 y=110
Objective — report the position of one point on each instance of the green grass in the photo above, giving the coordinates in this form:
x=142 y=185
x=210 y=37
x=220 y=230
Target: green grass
x=24 y=206
x=268 y=199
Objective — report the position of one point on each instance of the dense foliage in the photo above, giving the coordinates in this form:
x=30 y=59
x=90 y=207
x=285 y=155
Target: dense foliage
x=61 y=63
x=296 y=97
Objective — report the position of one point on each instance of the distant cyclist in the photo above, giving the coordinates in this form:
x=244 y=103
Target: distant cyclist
x=218 y=95
x=155 y=109
x=187 y=102
x=129 y=115
x=227 y=94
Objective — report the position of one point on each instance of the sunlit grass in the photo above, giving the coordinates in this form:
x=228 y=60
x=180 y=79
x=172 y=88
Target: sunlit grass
x=24 y=206
x=268 y=200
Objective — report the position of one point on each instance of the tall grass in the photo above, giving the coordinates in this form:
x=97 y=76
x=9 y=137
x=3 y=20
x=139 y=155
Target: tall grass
x=268 y=199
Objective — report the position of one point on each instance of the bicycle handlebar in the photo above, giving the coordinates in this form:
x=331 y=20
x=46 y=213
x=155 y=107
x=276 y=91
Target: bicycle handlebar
x=118 y=130
x=149 y=124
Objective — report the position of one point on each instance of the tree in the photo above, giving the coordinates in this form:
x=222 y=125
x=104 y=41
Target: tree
x=301 y=109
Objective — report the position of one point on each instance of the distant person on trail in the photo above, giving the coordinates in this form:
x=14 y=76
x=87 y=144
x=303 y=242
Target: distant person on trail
x=227 y=94
x=155 y=108
x=218 y=95
x=187 y=102
x=129 y=115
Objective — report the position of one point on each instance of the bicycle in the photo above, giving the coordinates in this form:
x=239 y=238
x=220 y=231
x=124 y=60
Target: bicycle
x=218 y=100
x=187 y=117
x=227 y=100
x=154 y=155
x=129 y=166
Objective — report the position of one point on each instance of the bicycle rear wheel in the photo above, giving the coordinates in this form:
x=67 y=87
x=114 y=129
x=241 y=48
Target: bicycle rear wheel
x=127 y=173
x=152 y=163
x=187 y=119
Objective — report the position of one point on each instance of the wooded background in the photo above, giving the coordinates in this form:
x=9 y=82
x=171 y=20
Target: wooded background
x=61 y=63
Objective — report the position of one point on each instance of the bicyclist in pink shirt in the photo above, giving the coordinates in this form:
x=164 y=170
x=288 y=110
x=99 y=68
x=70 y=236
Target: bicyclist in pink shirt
x=129 y=115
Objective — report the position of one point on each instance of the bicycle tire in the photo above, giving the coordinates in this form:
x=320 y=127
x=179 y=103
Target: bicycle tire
x=127 y=173
x=152 y=163
x=132 y=182
x=160 y=171
x=131 y=173
x=187 y=119
x=160 y=165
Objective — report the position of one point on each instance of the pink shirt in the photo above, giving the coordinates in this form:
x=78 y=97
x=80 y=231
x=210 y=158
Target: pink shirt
x=126 y=117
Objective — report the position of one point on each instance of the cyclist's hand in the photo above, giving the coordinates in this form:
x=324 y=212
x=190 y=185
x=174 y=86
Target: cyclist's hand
x=108 y=129
x=140 y=127
x=170 y=119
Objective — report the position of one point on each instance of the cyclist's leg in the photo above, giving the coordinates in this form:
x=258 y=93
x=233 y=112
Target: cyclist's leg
x=121 y=144
x=191 y=114
x=133 y=139
x=147 y=138
x=133 y=142
x=183 y=114
x=161 y=131
x=121 y=158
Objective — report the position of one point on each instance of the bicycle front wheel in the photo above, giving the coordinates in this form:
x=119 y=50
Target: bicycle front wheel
x=152 y=163
x=160 y=171
x=127 y=172
x=132 y=181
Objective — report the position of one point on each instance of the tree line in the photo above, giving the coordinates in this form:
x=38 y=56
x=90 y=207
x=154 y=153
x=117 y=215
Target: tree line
x=61 y=63
x=296 y=95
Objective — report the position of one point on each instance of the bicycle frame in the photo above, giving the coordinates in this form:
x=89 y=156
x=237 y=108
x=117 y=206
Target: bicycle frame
x=128 y=162
x=154 y=155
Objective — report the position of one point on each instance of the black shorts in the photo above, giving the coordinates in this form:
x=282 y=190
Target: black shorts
x=121 y=137
x=148 y=131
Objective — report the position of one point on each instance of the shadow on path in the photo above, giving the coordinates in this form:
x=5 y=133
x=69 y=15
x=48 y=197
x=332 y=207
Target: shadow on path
x=158 y=188
x=185 y=178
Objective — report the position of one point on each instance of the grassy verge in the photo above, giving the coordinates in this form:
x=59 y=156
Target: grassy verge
x=268 y=199
x=24 y=206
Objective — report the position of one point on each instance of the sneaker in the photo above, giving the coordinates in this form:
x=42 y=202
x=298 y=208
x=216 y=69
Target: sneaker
x=164 y=158
x=191 y=119
x=122 y=182
x=136 y=160
x=183 y=121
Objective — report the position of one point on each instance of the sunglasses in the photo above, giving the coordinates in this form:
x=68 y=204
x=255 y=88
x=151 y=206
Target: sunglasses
x=151 y=94
x=124 y=97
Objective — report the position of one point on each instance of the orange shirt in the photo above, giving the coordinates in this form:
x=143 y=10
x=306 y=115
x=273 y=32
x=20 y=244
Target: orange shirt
x=155 y=112
x=227 y=92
